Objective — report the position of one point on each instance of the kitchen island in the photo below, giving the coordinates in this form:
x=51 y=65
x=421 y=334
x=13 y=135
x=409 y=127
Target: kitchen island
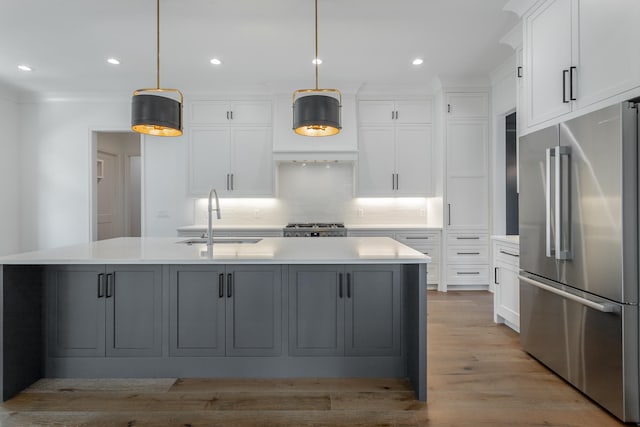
x=267 y=308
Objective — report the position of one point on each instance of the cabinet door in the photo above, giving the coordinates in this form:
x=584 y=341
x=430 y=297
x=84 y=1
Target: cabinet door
x=134 y=310
x=376 y=161
x=75 y=311
x=507 y=294
x=209 y=113
x=254 y=310
x=548 y=53
x=250 y=112
x=372 y=310
x=197 y=311
x=316 y=310
x=413 y=112
x=467 y=183
x=608 y=60
x=467 y=105
x=251 y=162
x=209 y=154
x=376 y=113
x=413 y=161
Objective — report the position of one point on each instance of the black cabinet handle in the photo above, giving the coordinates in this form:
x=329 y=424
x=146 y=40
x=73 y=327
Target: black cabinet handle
x=348 y=285
x=231 y=115
x=468 y=253
x=340 y=285
x=519 y=72
x=227 y=115
x=221 y=285
x=495 y=275
x=565 y=73
x=510 y=254
x=572 y=70
x=448 y=108
x=229 y=285
x=100 y=285
x=448 y=213
x=110 y=284
x=468 y=238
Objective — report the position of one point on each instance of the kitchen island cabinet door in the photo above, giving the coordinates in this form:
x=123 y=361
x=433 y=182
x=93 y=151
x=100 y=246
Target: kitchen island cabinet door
x=197 y=311
x=254 y=310
x=134 y=310
x=372 y=311
x=75 y=311
x=316 y=310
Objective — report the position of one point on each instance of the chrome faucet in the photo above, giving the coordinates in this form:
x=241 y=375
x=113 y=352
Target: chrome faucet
x=210 y=210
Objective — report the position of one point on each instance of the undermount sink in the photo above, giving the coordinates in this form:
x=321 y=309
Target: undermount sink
x=233 y=240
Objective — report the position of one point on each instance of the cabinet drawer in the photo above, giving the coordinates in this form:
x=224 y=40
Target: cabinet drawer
x=507 y=254
x=468 y=274
x=430 y=250
x=467 y=238
x=418 y=238
x=468 y=254
x=371 y=233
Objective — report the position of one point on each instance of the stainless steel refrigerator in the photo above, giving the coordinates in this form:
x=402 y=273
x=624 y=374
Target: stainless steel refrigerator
x=578 y=218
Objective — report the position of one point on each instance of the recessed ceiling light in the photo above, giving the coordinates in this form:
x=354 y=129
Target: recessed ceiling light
x=216 y=61
x=113 y=61
x=24 y=67
x=417 y=61
x=317 y=61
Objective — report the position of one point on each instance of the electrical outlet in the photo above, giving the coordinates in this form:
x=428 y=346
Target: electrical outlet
x=422 y=212
x=162 y=214
x=360 y=212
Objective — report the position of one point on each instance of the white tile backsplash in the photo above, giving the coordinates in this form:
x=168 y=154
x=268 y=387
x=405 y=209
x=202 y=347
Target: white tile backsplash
x=322 y=192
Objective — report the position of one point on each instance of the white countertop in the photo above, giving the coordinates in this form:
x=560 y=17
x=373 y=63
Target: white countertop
x=203 y=227
x=507 y=239
x=269 y=250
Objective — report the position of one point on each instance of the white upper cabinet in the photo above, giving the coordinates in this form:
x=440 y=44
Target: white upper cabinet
x=394 y=148
x=577 y=53
x=230 y=113
x=467 y=105
x=374 y=112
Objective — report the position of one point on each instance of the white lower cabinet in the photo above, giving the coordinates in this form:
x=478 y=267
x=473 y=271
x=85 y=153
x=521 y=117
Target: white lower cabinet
x=467 y=260
x=429 y=242
x=506 y=300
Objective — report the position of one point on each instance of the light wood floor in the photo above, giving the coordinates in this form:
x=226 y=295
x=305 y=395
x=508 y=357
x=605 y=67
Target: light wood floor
x=477 y=376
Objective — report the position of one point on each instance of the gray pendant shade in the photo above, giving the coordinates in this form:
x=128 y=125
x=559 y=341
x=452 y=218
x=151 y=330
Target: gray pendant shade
x=156 y=115
x=316 y=115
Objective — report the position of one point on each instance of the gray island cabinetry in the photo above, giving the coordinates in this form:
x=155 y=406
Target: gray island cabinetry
x=98 y=310
x=344 y=310
x=218 y=310
x=155 y=307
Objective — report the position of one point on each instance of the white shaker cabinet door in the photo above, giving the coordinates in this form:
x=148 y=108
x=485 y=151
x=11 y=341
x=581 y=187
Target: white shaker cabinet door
x=607 y=51
x=251 y=161
x=376 y=161
x=209 y=151
x=413 y=161
x=548 y=39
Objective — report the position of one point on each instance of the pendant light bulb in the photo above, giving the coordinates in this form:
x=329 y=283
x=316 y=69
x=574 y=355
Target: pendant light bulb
x=152 y=111
x=314 y=112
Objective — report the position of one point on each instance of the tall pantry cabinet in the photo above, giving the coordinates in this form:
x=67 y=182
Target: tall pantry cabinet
x=466 y=193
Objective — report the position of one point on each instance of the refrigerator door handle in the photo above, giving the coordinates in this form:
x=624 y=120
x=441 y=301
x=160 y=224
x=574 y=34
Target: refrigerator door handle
x=549 y=248
x=604 y=308
x=561 y=212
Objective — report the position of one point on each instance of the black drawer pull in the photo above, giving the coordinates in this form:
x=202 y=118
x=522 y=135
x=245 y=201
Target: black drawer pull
x=468 y=253
x=348 y=285
x=229 y=285
x=510 y=254
x=110 y=284
x=340 y=285
x=417 y=237
x=100 y=285
x=468 y=238
x=468 y=273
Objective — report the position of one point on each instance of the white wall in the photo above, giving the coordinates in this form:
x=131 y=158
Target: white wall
x=56 y=169
x=9 y=174
x=503 y=102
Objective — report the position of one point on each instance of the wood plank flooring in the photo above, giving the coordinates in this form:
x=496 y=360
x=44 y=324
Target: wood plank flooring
x=477 y=376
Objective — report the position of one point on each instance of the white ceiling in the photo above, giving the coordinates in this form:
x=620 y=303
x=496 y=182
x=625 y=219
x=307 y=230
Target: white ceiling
x=266 y=44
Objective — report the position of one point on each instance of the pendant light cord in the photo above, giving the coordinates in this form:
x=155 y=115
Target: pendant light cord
x=158 y=43
x=316 y=59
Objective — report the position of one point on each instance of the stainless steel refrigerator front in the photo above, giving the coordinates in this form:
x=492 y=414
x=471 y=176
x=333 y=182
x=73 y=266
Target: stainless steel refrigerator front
x=579 y=254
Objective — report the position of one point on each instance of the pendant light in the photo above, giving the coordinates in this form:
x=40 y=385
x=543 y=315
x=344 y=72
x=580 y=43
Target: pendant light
x=314 y=113
x=152 y=112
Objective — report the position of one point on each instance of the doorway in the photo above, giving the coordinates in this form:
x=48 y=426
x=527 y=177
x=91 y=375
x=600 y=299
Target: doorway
x=118 y=185
x=511 y=174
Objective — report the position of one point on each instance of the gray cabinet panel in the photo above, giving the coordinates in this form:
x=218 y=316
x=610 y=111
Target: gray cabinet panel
x=254 y=311
x=197 y=323
x=75 y=313
x=134 y=310
x=316 y=316
x=372 y=311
